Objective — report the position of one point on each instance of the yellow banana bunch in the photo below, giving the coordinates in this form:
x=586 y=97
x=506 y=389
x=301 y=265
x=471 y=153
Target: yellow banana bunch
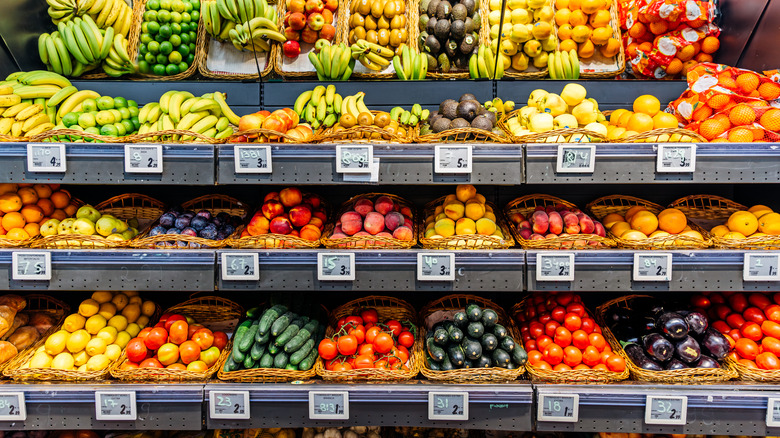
x=208 y=115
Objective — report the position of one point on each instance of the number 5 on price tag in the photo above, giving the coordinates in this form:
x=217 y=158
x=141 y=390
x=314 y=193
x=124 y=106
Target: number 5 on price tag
x=12 y=407
x=666 y=410
x=452 y=158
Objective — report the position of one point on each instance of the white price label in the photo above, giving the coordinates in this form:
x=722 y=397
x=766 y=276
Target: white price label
x=336 y=266
x=678 y=158
x=143 y=158
x=563 y=408
x=652 y=266
x=555 y=266
x=229 y=405
x=761 y=267
x=666 y=410
x=448 y=406
x=240 y=266
x=115 y=405
x=46 y=158
x=12 y=407
x=436 y=266
x=354 y=158
x=31 y=265
x=252 y=159
x=773 y=412
x=371 y=177
x=452 y=158
x=576 y=159
x=328 y=405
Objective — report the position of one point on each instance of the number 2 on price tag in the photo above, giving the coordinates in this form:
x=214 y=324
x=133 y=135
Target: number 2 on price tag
x=448 y=406
x=555 y=267
x=666 y=410
x=229 y=405
x=240 y=266
x=115 y=405
x=652 y=266
x=143 y=158
x=12 y=406
x=563 y=408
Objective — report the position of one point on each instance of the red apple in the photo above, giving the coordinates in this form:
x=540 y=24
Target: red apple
x=332 y=5
x=314 y=6
x=291 y=34
x=309 y=36
x=291 y=48
x=297 y=6
x=315 y=21
x=327 y=15
x=297 y=20
x=280 y=225
x=328 y=32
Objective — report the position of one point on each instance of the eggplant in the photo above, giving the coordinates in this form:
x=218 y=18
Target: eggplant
x=675 y=364
x=707 y=362
x=618 y=314
x=640 y=359
x=655 y=310
x=625 y=333
x=646 y=325
x=658 y=347
x=715 y=343
x=672 y=325
x=697 y=323
x=688 y=350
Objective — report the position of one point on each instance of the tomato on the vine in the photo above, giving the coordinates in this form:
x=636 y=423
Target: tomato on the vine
x=394 y=326
x=406 y=338
x=359 y=332
x=371 y=334
x=343 y=366
x=353 y=320
x=383 y=343
x=327 y=349
x=382 y=364
x=401 y=353
x=369 y=316
x=364 y=361
x=347 y=345
x=366 y=349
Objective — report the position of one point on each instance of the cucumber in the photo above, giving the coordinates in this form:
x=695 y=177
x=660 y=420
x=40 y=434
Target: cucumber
x=460 y=319
x=489 y=318
x=257 y=351
x=500 y=331
x=245 y=342
x=489 y=342
x=302 y=352
x=249 y=363
x=471 y=348
x=440 y=337
x=435 y=352
x=483 y=362
x=473 y=312
x=456 y=355
x=302 y=336
x=519 y=356
x=475 y=330
x=267 y=361
x=507 y=344
x=273 y=348
x=456 y=335
x=262 y=338
x=281 y=323
x=291 y=367
x=433 y=365
x=241 y=332
x=290 y=331
x=253 y=313
x=230 y=365
x=501 y=358
x=237 y=354
x=308 y=362
x=446 y=365
x=281 y=359
x=269 y=316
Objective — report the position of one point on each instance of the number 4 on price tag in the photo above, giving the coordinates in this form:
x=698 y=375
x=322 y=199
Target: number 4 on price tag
x=12 y=407
x=666 y=410
x=46 y=158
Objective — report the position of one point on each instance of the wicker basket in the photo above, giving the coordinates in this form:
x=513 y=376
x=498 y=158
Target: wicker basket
x=652 y=136
x=213 y=312
x=367 y=242
x=470 y=375
x=527 y=204
x=535 y=73
x=139 y=7
x=10 y=243
x=213 y=203
x=753 y=374
x=132 y=205
x=461 y=135
x=277 y=55
x=77 y=241
x=687 y=375
x=620 y=204
x=554 y=136
x=367 y=134
x=386 y=307
x=37 y=303
x=58 y=134
x=470 y=241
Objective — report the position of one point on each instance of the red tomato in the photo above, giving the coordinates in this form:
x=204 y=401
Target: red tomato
x=591 y=356
x=164 y=317
x=327 y=349
x=136 y=350
x=526 y=337
x=771 y=328
x=353 y=320
x=192 y=329
x=565 y=298
x=754 y=314
x=721 y=326
x=553 y=354
x=150 y=363
x=541 y=308
x=572 y=356
x=561 y=367
x=168 y=354
x=722 y=311
x=173 y=318
x=576 y=308
x=394 y=326
x=598 y=341
x=776 y=298
x=530 y=345
x=178 y=332
x=748 y=363
x=383 y=343
x=144 y=332
x=371 y=333
x=572 y=322
x=530 y=313
x=189 y=352
x=366 y=349
x=204 y=338
x=545 y=318
x=401 y=353
x=616 y=363
x=364 y=361
x=156 y=338
x=347 y=345
x=550 y=328
x=701 y=301
x=536 y=329
x=771 y=345
x=359 y=333
x=717 y=298
x=220 y=340
x=534 y=357
x=747 y=348
x=751 y=330
x=544 y=366
x=735 y=320
x=341 y=322
x=382 y=364
x=734 y=333
x=558 y=314
x=369 y=316
x=588 y=325
x=738 y=302
x=342 y=367
x=406 y=338
x=759 y=300
x=536 y=299
x=562 y=337
x=772 y=312
x=127 y=365
x=543 y=341
x=580 y=339
x=767 y=361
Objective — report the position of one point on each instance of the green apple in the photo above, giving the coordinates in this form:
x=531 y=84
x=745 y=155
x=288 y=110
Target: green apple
x=83 y=226
x=120 y=226
x=128 y=234
x=49 y=228
x=105 y=226
x=66 y=226
x=116 y=237
x=88 y=212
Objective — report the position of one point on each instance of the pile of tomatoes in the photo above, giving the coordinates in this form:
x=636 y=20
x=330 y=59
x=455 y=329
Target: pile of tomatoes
x=751 y=323
x=559 y=335
x=361 y=342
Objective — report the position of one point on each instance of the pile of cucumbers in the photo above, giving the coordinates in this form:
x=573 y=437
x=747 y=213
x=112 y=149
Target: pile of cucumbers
x=277 y=338
x=472 y=339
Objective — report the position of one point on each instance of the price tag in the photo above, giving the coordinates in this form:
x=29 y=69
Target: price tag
x=233 y=405
x=652 y=266
x=555 y=266
x=772 y=412
x=115 y=405
x=339 y=266
x=561 y=408
x=448 y=406
x=678 y=158
x=252 y=159
x=240 y=266
x=31 y=265
x=576 y=159
x=330 y=405
x=666 y=410
x=371 y=177
x=436 y=266
x=143 y=158
x=452 y=158
x=12 y=407
x=354 y=158
x=761 y=267
x=46 y=158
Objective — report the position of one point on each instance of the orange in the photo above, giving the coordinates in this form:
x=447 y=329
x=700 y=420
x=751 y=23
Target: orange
x=647 y=104
x=769 y=223
x=672 y=220
x=591 y=6
x=631 y=50
x=618 y=228
x=71 y=209
x=703 y=57
x=634 y=210
x=771 y=120
x=694 y=234
x=17 y=234
x=615 y=116
x=32 y=229
x=574 y=5
x=710 y=44
x=586 y=50
x=687 y=53
x=659 y=27
x=568 y=45
x=759 y=210
x=637 y=30
x=742 y=115
x=59 y=215
x=561 y=4
x=611 y=219
x=623 y=120
x=46 y=206
x=674 y=67
x=13 y=219
x=562 y=16
x=747 y=82
x=712 y=128
x=611 y=48
x=687 y=66
x=60 y=199
x=664 y=120
x=646 y=47
x=633 y=235
x=644 y=221
x=701 y=113
x=727 y=81
x=28 y=195
x=718 y=101
x=769 y=90
x=743 y=222
x=758 y=133
x=32 y=213
x=10 y=202
x=640 y=122
x=720 y=230
x=740 y=135
x=43 y=190
x=697 y=23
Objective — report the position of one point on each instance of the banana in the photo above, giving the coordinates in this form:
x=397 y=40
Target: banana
x=423 y=65
x=335 y=63
x=353 y=108
x=165 y=99
x=205 y=123
x=566 y=63
x=377 y=49
x=551 y=69
x=6 y=89
x=118 y=4
x=53 y=56
x=490 y=63
x=239 y=4
x=575 y=63
x=223 y=106
x=75 y=99
x=42 y=48
x=28 y=112
x=315 y=61
x=70 y=42
x=16 y=129
x=216 y=18
x=301 y=101
x=120 y=46
x=262 y=22
x=35 y=120
x=377 y=59
x=51 y=113
x=190 y=119
x=108 y=40
x=205 y=16
x=5 y=126
x=416 y=66
x=499 y=73
x=96 y=7
x=174 y=105
x=269 y=34
x=325 y=60
x=186 y=106
x=94 y=44
x=205 y=104
x=93 y=28
x=101 y=18
x=224 y=11
x=319 y=91
x=39 y=129
x=35 y=91
x=15 y=109
x=222 y=124
x=473 y=69
x=44 y=78
x=346 y=59
x=231 y=4
x=81 y=40
x=224 y=134
x=359 y=103
x=481 y=62
x=337 y=103
x=154 y=114
x=61 y=96
x=330 y=94
x=142 y=113
x=368 y=64
x=398 y=67
x=64 y=56
x=322 y=109
x=8 y=100
x=348 y=71
x=84 y=6
x=406 y=56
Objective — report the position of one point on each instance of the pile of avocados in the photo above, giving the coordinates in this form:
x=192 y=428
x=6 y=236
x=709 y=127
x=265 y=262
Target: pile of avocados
x=449 y=33
x=472 y=339
x=466 y=112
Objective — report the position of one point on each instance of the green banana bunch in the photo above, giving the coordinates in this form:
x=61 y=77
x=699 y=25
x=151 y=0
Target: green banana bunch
x=250 y=25
x=564 y=65
x=373 y=56
x=332 y=63
x=483 y=63
x=411 y=65
x=319 y=107
x=409 y=117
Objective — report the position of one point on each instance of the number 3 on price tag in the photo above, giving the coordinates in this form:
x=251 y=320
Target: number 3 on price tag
x=328 y=405
x=448 y=406
x=143 y=158
x=229 y=405
x=115 y=405
x=252 y=159
x=666 y=410
x=560 y=408
x=12 y=407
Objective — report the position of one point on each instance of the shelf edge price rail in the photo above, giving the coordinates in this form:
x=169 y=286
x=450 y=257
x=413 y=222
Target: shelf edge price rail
x=676 y=158
x=229 y=405
x=448 y=406
x=115 y=405
x=49 y=157
x=146 y=158
x=575 y=158
x=761 y=267
x=666 y=410
x=554 y=266
x=559 y=408
x=435 y=266
x=241 y=266
x=651 y=266
x=336 y=266
x=252 y=159
x=453 y=158
x=28 y=265
x=328 y=405
x=12 y=406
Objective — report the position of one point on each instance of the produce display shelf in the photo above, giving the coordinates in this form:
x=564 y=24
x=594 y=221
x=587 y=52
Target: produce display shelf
x=399 y=164
x=104 y=163
x=118 y=270
x=386 y=271
x=72 y=406
x=636 y=163
x=612 y=271
x=507 y=406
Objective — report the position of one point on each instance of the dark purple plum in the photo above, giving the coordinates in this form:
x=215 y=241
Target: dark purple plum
x=181 y=244
x=182 y=222
x=204 y=214
x=157 y=230
x=189 y=231
x=173 y=231
x=223 y=216
x=167 y=220
x=199 y=222
x=229 y=229
x=235 y=221
x=221 y=235
x=217 y=221
x=194 y=245
x=209 y=232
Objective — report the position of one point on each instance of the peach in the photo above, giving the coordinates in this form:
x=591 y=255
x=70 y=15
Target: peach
x=320 y=214
x=439 y=210
x=464 y=192
x=486 y=226
x=445 y=227
x=314 y=200
x=490 y=215
x=525 y=224
x=310 y=233
x=337 y=229
x=464 y=226
x=374 y=223
x=300 y=215
x=384 y=234
x=556 y=222
x=454 y=210
x=351 y=222
x=573 y=229
x=272 y=208
x=403 y=233
x=259 y=224
x=586 y=225
x=393 y=220
x=570 y=219
x=600 y=230
x=364 y=206
x=525 y=233
x=408 y=221
x=290 y=197
x=450 y=197
x=317 y=222
x=536 y=236
x=430 y=233
x=541 y=222
x=294 y=233
x=474 y=210
x=406 y=211
x=362 y=234
x=549 y=209
x=338 y=236
x=551 y=236
x=280 y=225
x=384 y=205
x=516 y=218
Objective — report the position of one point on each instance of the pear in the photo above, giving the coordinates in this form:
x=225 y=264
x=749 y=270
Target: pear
x=88 y=212
x=540 y=61
x=83 y=226
x=105 y=226
x=541 y=122
x=520 y=33
x=597 y=127
x=573 y=94
x=65 y=227
x=536 y=96
x=550 y=44
x=49 y=228
x=526 y=113
x=554 y=104
x=564 y=121
x=585 y=112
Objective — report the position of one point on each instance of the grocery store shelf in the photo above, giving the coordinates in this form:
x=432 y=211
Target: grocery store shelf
x=89 y=163
x=399 y=164
x=636 y=163
x=387 y=271
x=612 y=271
x=119 y=270
x=493 y=407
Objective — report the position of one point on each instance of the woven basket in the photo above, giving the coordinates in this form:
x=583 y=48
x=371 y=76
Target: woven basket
x=213 y=203
x=687 y=375
x=58 y=134
x=207 y=310
x=37 y=303
x=461 y=135
x=570 y=376
x=203 y=69
x=386 y=307
x=753 y=374
x=484 y=9
x=10 y=243
x=367 y=242
x=277 y=55
x=132 y=205
x=470 y=241
x=367 y=134
x=527 y=204
x=470 y=375
x=652 y=136
x=77 y=241
x=620 y=204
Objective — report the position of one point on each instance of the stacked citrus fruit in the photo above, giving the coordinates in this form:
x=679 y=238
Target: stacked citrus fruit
x=24 y=207
x=646 y=116
x=463 y=213
x=757 y=221
x=639 y=223
x=584 y=25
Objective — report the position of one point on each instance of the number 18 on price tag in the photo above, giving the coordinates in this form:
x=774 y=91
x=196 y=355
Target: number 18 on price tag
x=233 y=405
x=12 y=407
x=115 y=405
x=666 y=410
x=761 y=267
x=436 y=266
x=448 y=406
x=143 y=158
x=652 y=266
x=46 y=158
x=240 y=266
x=329 y=405
x=452 y=158
x=561 y=408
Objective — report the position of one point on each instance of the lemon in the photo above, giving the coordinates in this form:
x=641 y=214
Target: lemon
x=80 y=358
x=40 y=349
x=133 y=329
x=132 y=311
x=41 y=360
x=82 y=369
x=142 y=321
x=62 y=361
x=78 y=341
x=88 y=308
x=148 y=308
x=119 y=322
x=97 y=363
x=55 y=344
x=120 y=301
x=113 y=352
x=102 y=297
x=108 y=334
x=107 y=310
x=74 y=322
x=94 y=324
x=96 y=346
x=122 y=338
x=130 y=293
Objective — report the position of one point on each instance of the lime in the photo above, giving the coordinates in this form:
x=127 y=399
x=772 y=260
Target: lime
x=86 y=120
x=153 y=5
x=150 y=15
x=174 y=58
x=105 y=103
x=162 y=59
x=175 y=28
x=185 y=38
x=159 y=38
x=186 y=17
x=187 y=7
x=175 y=40
x=88 y=105
x=165 y=4
x=177 y=5
x=171 y=70
x=153 y=47
x=184 y=50
x=92 y=130
x=120 y=128
x=166 y=48
x=131 y=103
x=194 y=16
x=70 y=119
x=190 y=59
x=136 y=123
x=176 y=17
x=146 y=38
x=195 y=4
x=153 y=27
x=144 y=27
x=150 y=58
x=165 y=31
x=128 y=125
x=183 y=66
x=159 y=69
x=108 y=130
x=120 y=102
x=133 y=110
x=143 y=66
x=124 y=112
x=163 y=16
x=142 y=49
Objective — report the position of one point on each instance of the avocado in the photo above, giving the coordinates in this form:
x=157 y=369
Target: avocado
x=482 y=122
x=432 y=8
x=432 y=63
x=451 y=48
x=448 y=109
x=459 y=123
x=462 y=62
x=441 y=124
x=469 y=96
x=458 y=29
x=491 y=116
x=477 y=18
x=432 y=44
x=470 y=6
x=424 y=5
x=423 y=23
x=443 y=10
x=430 y=27
x=444 y=63
x=467 y=109
x=459 y=12
x=468 y=43
x=442 y=29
